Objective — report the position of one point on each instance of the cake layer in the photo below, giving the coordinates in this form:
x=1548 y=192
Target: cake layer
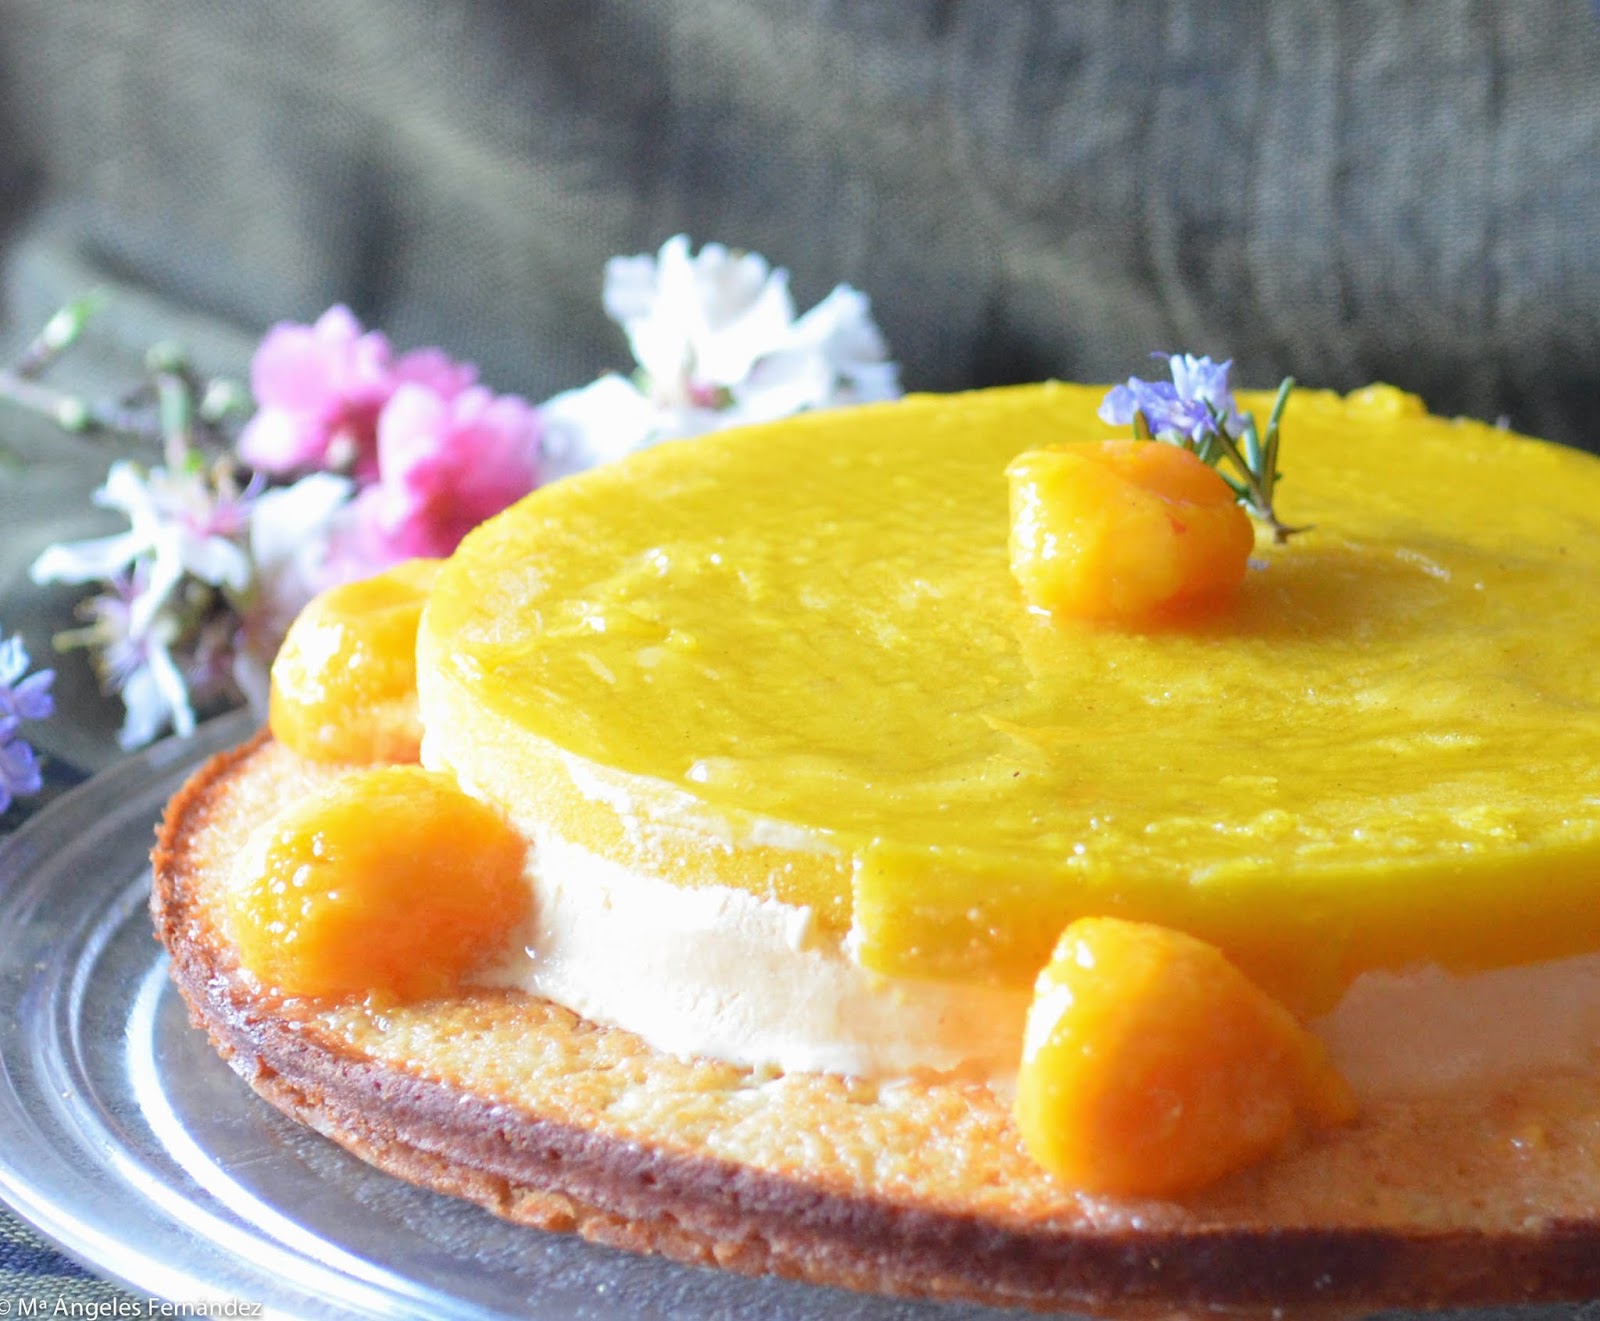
x=793 y=660
x=715 y=972
x=718 y=972
x=1474 y=1195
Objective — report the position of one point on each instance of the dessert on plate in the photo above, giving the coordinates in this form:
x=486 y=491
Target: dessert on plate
x=846 y=849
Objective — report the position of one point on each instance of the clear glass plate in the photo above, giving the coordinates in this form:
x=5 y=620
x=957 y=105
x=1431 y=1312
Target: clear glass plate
x=125 y=1139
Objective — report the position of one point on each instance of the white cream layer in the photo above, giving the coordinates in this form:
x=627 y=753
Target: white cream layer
x=1424 y=1030
x=719 y=972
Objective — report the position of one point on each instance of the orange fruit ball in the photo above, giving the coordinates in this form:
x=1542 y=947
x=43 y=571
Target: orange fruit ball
x=390 y=882
x=1124 y=530
x=344 y=684
x=1152 y=1066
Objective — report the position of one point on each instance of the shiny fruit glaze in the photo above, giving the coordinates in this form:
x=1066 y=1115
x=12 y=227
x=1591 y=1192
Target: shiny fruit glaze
x=1124 y=530
x=804 y=642
x=344 y=685
x=1151 y=1066
x=391 y=883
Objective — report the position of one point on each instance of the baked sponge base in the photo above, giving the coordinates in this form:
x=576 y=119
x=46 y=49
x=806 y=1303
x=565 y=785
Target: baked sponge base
x=919 y=1189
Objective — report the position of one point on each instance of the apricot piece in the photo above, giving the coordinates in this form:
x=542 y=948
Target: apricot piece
x=1151 y=1066
x=344 y=684
x=1124 y=529
x=390 y=882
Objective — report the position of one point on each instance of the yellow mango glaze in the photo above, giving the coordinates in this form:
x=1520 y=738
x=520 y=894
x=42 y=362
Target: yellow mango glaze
x=794 y=659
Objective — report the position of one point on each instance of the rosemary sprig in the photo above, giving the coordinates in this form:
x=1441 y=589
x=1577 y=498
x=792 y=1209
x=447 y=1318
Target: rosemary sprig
x=1255 y=461
x=1195 y=410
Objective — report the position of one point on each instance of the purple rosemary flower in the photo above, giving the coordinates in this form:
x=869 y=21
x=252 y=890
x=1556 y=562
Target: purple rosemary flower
x=23 y=696
x=1196 y=410
x=1186 y=408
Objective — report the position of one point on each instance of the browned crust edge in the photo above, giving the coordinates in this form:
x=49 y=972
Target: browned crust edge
x=701 y=1210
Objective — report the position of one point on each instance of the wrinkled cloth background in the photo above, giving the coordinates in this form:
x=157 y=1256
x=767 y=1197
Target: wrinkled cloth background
x=1350 y=191
x=1344 y=191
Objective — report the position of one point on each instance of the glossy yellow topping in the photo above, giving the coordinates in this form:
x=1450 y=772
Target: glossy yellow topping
x=1151 y=1066
x=1125 y=530
x=344 y=684
x=391 y=883
x=795 y=659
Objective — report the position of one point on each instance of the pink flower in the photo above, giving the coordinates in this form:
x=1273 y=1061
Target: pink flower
x=320 y=389
x=445 y=463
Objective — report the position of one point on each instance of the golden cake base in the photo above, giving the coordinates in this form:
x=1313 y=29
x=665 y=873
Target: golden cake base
x=919 y=1189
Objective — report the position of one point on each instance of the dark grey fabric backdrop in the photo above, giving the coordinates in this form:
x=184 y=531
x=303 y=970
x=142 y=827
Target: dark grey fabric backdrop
x=1348 y=191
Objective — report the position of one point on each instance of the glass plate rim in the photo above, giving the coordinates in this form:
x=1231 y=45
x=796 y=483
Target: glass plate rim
x=53 y=1181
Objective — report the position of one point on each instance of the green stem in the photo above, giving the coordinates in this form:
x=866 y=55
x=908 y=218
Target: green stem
x=1278 y=405
x=175 y=406
x=61 y=408
x=1252 y=479
x=1259 y=472
x=60 y=333
x=68 y=411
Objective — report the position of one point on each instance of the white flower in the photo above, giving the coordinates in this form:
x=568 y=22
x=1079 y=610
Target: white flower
x=179 y=523
x=696 y=323
x=132 y=648
x=717 y=344
x=288 y=535
x=835 y=355
x=612 y=417
x=154 y=694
